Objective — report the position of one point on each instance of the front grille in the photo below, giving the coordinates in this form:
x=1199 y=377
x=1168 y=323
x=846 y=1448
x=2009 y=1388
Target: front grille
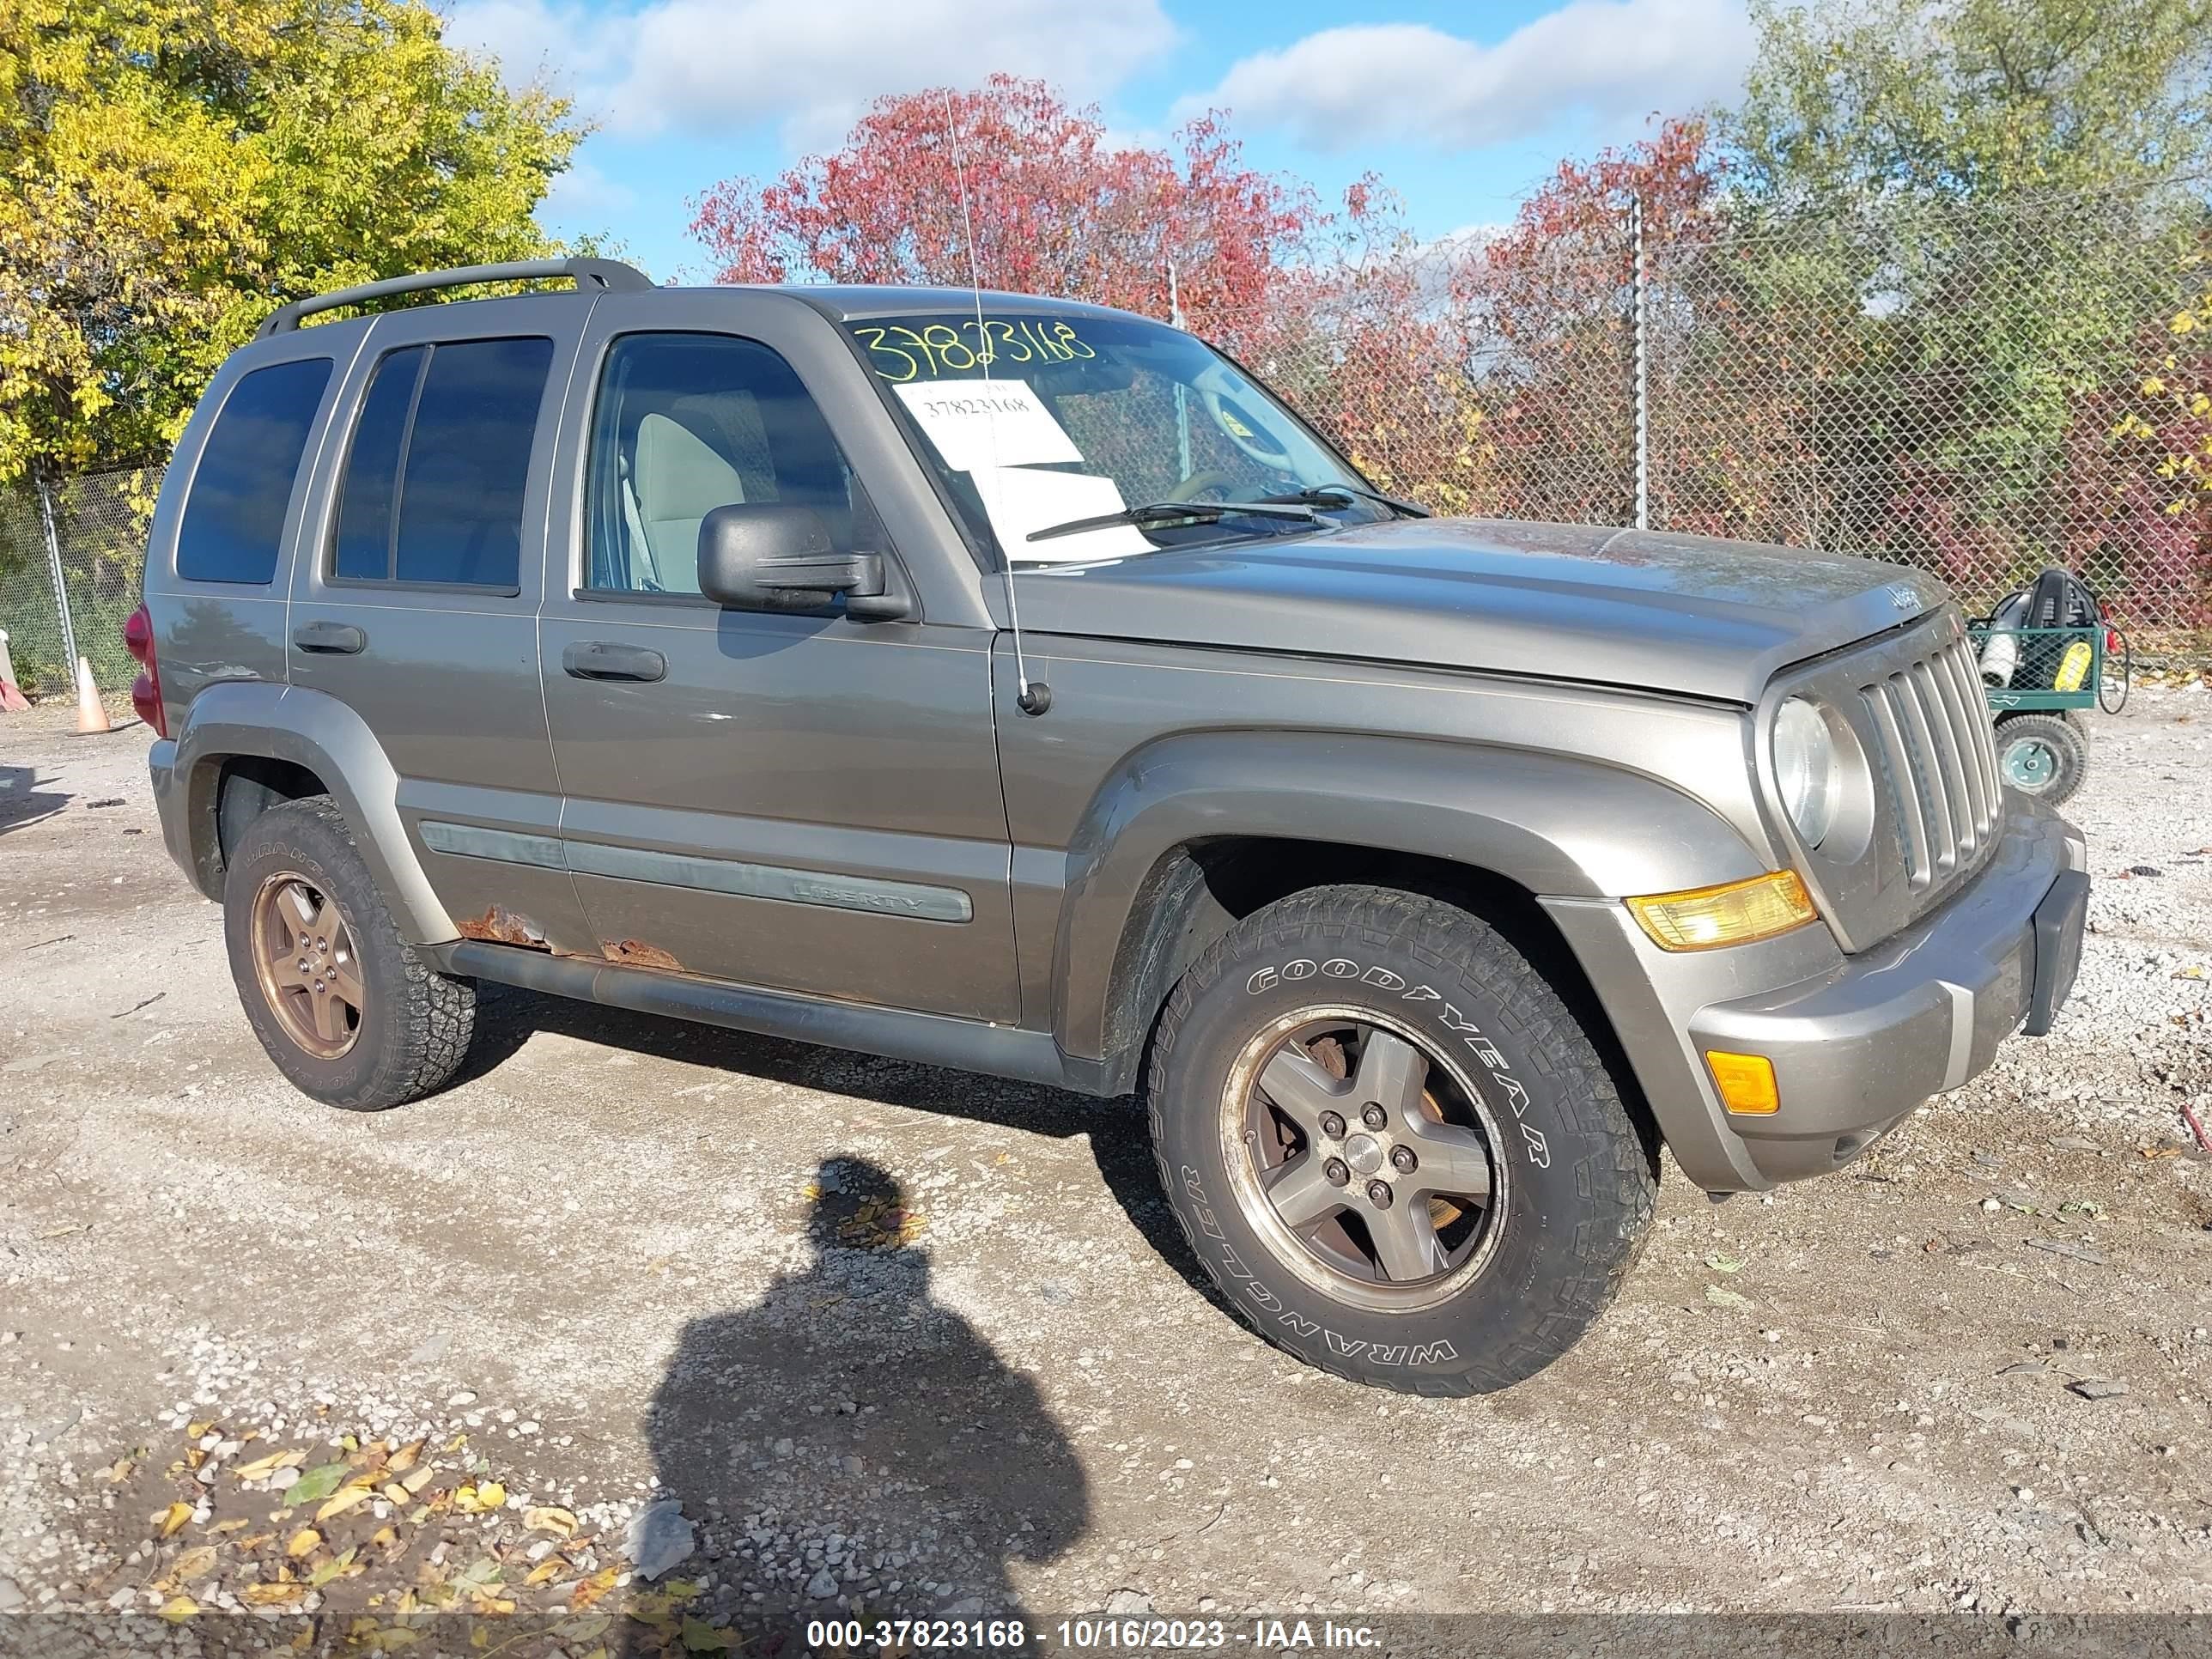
x=1937 y=754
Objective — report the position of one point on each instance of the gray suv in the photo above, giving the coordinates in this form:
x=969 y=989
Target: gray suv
x=1018 y=686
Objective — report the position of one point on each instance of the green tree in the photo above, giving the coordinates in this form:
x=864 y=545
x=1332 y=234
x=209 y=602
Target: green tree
x=170 y=170
x=1867 y=99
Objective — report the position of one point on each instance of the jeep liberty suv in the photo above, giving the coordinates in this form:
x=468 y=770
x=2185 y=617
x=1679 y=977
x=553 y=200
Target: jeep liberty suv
x=659 y=648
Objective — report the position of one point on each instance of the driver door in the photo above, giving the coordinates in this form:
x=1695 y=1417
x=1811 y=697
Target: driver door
x=799 y=803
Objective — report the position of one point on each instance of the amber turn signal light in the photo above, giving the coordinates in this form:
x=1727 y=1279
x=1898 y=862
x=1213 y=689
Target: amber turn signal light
x=1734 y=912
x=1745 y=1082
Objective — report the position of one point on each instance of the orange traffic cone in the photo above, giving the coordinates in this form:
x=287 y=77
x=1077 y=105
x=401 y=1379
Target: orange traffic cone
x=91 y=712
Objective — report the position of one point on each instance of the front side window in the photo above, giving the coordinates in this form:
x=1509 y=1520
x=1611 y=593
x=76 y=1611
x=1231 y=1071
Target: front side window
x=233 y=521
x=434 y=480
x=687 y=422
x=1034 y=420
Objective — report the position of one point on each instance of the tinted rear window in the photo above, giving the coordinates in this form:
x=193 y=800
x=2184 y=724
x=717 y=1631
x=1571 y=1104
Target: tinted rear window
x=233 y=521
x=434 y=480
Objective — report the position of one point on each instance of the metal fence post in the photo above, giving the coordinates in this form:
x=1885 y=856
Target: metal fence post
x=54 y=570
x=1641 y=394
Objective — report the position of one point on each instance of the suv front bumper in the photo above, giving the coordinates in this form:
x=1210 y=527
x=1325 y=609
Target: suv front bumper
x=1857 y=1042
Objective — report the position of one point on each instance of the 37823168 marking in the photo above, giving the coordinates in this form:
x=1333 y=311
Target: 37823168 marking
x=900 y=353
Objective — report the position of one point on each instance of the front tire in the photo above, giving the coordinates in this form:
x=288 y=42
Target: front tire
x=347 y=1009
x=1392 y=1146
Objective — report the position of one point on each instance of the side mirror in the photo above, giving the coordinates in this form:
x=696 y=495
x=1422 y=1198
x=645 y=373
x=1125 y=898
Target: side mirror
x=770 y=556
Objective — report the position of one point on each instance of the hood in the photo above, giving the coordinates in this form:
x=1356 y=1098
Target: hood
x=1687 y=614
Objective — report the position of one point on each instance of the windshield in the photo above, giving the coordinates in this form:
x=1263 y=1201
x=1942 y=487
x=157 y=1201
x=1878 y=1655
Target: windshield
x=1085 y=415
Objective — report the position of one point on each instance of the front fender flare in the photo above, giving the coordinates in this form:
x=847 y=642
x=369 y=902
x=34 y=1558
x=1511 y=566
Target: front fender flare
x=1556 y=826
x=314 y=730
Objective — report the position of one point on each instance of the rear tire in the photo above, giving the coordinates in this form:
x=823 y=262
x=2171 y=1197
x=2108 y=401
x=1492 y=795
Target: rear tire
x=347 y=1009
x=2045 y=756
x=1333 y=1086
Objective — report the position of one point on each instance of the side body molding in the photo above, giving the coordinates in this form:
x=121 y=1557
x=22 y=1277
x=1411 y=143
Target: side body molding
x=311 y=729
x=1555 y=824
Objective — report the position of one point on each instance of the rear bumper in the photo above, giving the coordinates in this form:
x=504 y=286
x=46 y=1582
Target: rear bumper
x=175 y=815
x=1857 y=1042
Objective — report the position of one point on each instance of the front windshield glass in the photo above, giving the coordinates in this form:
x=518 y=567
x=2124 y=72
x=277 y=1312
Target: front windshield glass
x=1085 y=415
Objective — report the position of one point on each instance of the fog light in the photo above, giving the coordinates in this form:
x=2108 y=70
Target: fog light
x=1735 y=913
x=1745 y=1082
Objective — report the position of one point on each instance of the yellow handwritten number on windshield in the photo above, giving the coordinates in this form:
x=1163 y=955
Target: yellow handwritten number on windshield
x=898 y=352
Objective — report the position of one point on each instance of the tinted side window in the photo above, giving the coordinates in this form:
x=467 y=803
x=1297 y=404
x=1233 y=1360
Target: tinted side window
x=363 y=549
x=233 y=518
x=433 y=482
x=688 y=422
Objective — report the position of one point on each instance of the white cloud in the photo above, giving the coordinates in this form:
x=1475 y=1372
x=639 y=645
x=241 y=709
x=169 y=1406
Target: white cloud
x=584 y=195
x=1607 y=62
x=710 y=67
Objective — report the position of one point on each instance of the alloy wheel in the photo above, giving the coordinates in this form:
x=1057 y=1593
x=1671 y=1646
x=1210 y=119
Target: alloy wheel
x=304 y=958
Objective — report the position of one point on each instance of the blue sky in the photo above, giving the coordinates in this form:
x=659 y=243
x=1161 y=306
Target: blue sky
x=1461 y=108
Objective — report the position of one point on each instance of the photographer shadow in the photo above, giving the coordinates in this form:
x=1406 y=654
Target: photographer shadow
x=849 y=1446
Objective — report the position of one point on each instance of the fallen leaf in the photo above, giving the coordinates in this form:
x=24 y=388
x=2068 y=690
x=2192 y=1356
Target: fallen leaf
x=350 y=1498
x=178 y=1609
x=591 y=1589
x=546 y=1570
x=221 y=1527
x=414 y=1482
x=1721 y=1263
x=272 y=1595
x=316 y=1484
x=384 y=1538
x=331 y=1569
x=393 y=1492
x=404 y=1459
x=174 y=1518
x=1725 y=1298
x=193 y=1564
x=549 y=1518
x=584 y=1627
x=194 y=1431
x=306 y=1541
x=699 y=1637
x=256 y=1541
x=2161 y=1152
x=262 y=1466
x=491 y=1494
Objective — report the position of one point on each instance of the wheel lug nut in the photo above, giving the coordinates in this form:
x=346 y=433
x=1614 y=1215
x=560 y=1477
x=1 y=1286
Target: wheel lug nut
x=1374 y=1117
x=1402 y=1159
x=1335 y=1170
x=1332 y=1126
x=1378 y=1193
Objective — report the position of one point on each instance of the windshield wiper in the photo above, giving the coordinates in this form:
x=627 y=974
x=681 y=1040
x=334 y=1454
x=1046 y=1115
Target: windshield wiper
x=1325 y=494
x=1170 y=512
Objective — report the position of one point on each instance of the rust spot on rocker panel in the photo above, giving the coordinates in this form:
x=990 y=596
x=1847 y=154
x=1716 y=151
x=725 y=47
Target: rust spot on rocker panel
x=636 y=953
x=499 y=925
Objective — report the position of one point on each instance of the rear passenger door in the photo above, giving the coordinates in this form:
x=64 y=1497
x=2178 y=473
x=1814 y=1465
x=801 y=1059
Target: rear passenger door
x=798 y=802
x=415 y=600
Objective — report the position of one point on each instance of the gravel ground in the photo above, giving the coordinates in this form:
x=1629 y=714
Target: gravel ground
x=654 y=1319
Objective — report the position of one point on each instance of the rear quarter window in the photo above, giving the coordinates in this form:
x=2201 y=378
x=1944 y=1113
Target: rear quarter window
x=232 y=527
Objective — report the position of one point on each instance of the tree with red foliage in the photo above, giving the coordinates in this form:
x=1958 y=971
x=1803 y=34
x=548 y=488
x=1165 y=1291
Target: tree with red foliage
x=1056 y=207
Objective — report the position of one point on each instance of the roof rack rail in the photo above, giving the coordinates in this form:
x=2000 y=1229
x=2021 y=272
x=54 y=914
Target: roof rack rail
x=590 y=275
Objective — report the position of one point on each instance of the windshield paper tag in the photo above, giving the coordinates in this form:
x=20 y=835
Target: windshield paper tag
x=983 y=423
x=1022 y=499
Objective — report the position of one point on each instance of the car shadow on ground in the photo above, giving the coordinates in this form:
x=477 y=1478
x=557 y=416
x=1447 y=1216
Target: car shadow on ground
x=847 y=1432
x=22 y=803
x=1120 y=1145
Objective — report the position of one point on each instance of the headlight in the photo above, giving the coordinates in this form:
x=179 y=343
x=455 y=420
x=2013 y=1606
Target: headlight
x=1807 y=770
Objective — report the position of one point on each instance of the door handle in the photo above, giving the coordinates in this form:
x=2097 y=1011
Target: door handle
x=340 y=639
x=604 y=659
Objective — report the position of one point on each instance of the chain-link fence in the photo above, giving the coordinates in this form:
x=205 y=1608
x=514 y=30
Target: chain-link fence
x=1978 y=392
x=71 y=557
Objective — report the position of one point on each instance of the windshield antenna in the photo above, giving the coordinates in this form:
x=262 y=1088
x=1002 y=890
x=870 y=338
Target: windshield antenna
x=1034 y=696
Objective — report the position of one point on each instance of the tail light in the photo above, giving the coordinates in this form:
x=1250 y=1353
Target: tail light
x=146 y=690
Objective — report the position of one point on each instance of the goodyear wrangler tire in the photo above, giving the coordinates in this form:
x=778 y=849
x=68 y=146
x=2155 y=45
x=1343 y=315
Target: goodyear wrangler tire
x=1391 y=1145
x=350 y=1013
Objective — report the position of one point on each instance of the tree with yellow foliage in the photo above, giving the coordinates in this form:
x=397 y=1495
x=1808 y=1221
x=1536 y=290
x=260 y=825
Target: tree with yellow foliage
x=173 y=169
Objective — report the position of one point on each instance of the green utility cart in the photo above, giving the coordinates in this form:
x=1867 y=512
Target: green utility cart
x=2037 y=680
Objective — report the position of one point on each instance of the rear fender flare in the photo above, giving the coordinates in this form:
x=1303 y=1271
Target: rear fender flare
x=316 y=731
